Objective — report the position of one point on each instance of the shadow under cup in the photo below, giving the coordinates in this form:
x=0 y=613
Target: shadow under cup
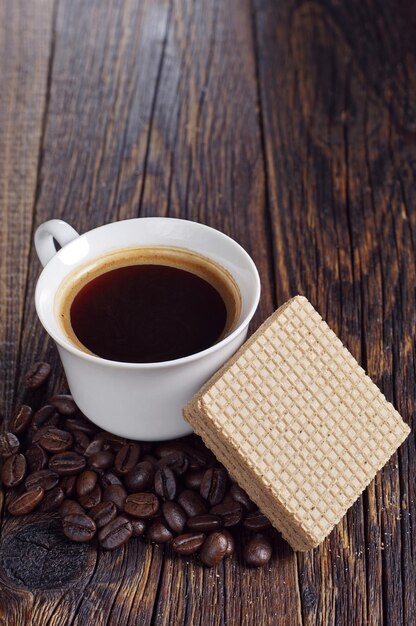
x=147 y=304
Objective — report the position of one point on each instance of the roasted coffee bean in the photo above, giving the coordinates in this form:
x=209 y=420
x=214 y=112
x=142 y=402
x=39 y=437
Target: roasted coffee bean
x=204 y=523
x=175 y=516
x=116 y=494
x=159 y=532
x=231 y=543
x=228 y=499
x=64 y=403
x=79 y=527
x=96 y=445
x=165 y=483
x=36 y=458
x=9 y=444
x=140 y=478
x=26 y=502
x=109 y=478
x=192 y=503
x=188 y=543
x=146 y=447
x=257 y=551
x=214 y=549
x=37 y=374
x=114 y=441
x=198 y=457
x=86 y=482
x=21 y=420
x=46 y=416
x=126 y=458
x=70 y=507
x=103 y=513
x=142 y=505
x=76 y=423
x=240 y=496
x=13 y=470
x=116 y=533
x=56 y=440
x=167 y=448
x=193 y=479
x=91 y=499
x=256 y=521
x=37 y=434
x=81 y=441
x=213 y=485
x=230 y=513
x=139 y=527
x=177 y=461
x=101 y=460
x=52 y=500
x=67 y=463
x=68 y=485
x=46 y=478
x=150 y=459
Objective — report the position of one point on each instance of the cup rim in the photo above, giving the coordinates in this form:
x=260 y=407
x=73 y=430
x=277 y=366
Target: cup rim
x=156 y=364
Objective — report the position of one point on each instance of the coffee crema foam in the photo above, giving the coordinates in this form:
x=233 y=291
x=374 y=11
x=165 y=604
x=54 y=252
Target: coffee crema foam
x=170 y=256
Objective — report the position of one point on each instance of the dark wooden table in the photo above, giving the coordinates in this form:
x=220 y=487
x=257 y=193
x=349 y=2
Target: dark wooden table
x=291 y=126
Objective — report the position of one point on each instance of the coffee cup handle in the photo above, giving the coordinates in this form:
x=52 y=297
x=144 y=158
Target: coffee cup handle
x=47 y=232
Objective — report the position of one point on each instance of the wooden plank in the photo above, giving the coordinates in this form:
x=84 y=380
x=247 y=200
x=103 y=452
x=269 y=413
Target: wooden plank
x=336 y=134
x=25 y=44
x=25 y=41
x=389 y=164
x=104 y=75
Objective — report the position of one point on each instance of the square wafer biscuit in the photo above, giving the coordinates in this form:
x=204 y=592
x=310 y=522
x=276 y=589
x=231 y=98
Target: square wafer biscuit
x=298 y=423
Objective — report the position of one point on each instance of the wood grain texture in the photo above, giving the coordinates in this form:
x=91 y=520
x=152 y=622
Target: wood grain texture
x=337 y=95
x=25 y=44
x=103 y=76
x=289 y=126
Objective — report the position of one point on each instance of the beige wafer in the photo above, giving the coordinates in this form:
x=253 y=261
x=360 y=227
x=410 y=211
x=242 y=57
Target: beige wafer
x=298 y=423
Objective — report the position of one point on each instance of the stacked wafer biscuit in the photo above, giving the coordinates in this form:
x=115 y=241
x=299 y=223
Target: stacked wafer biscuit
x=298 y=423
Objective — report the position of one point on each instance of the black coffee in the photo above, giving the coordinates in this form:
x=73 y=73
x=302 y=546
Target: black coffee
x=147 y=313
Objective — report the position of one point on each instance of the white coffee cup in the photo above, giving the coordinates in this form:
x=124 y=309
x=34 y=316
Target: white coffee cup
x=139 y=400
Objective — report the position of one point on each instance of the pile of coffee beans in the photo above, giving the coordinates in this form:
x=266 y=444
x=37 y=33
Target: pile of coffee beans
x=111 y=488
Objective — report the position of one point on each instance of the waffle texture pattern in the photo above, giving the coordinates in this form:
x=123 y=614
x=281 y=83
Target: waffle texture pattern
x=298 y=423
